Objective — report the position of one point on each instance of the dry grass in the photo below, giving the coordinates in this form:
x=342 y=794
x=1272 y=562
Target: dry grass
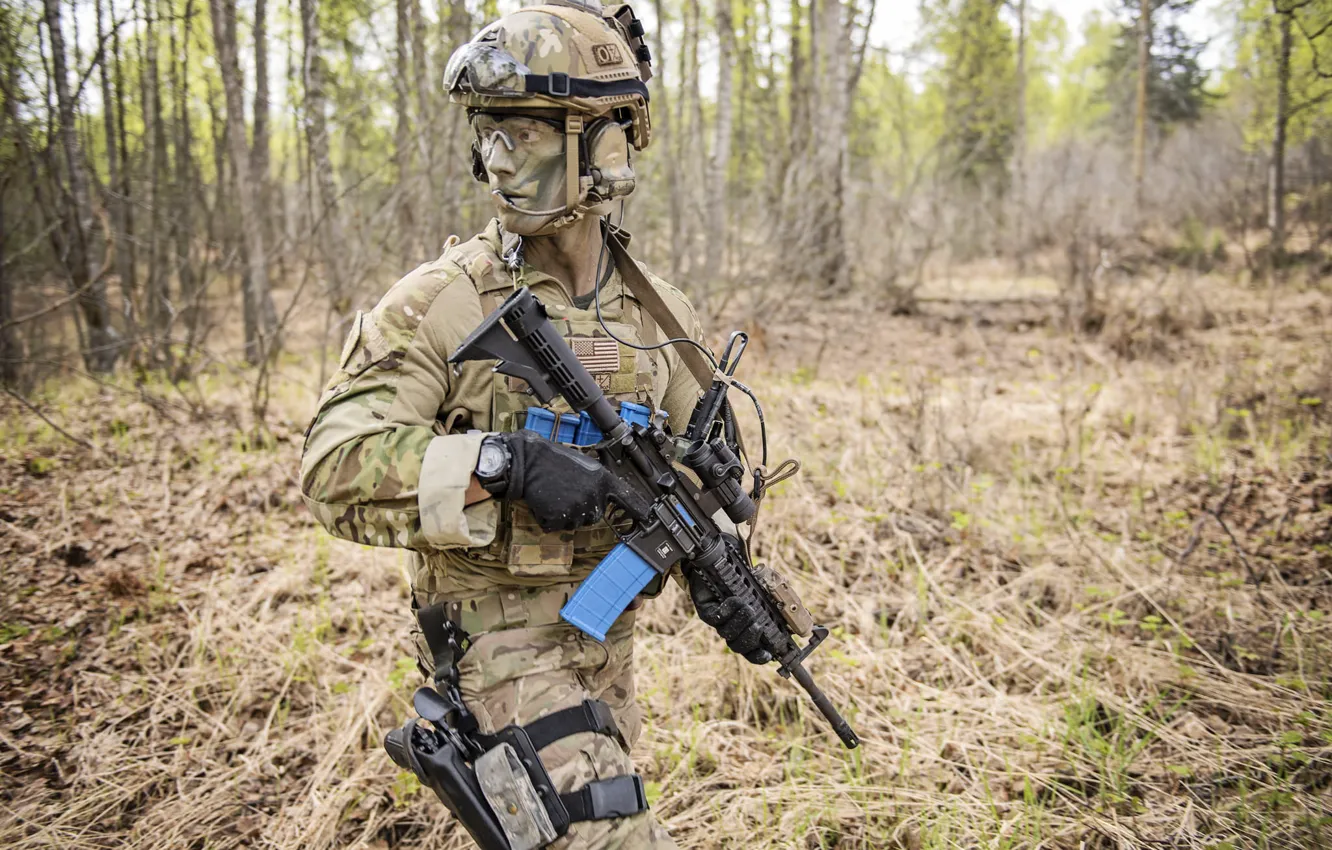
x=1079 y=594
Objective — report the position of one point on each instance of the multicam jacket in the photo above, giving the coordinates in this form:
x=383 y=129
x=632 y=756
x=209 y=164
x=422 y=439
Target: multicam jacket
x=390 y=453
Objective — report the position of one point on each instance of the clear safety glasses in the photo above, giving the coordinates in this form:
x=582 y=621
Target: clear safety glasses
x=485 y=68
x=521 y=135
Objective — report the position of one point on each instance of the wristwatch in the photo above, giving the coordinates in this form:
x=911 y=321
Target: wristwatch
x=492 y=466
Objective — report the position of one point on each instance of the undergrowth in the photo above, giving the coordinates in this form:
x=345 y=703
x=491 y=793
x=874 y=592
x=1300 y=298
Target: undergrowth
x=1078 y=588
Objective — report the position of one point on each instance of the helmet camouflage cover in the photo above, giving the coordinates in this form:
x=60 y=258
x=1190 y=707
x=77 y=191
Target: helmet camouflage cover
x=567 y=56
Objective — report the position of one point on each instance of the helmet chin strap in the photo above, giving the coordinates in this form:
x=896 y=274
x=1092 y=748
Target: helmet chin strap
x=573 y=131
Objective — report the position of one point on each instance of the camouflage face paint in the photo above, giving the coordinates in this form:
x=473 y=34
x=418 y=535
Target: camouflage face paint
x=524 y=158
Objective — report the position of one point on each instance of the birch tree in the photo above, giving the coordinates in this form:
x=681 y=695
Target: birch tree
x=102 y=346
x=1140 y=110
x=721 y=149
x=259 y=312
x=327 y=219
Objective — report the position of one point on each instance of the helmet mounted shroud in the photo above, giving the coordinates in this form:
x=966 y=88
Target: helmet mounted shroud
x=482 y=68
x=587 y=64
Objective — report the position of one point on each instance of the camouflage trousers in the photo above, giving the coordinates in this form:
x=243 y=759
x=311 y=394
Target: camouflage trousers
x=516 y=675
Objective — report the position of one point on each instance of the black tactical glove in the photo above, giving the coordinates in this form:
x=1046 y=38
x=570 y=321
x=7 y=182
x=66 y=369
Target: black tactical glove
x=733 y=618
x=564 y=488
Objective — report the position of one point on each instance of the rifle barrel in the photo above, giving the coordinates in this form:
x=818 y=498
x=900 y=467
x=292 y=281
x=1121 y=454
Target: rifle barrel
x=825 y=706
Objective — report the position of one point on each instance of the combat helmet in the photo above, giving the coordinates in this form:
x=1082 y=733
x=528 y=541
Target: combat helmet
x=577 y=59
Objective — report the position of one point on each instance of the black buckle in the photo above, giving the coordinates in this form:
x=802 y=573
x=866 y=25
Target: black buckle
x=558 y=84
x=620 y=797
x=599 y=717
x=602 y=721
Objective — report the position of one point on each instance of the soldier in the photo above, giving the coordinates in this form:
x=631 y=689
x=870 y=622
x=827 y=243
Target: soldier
x=502 y=525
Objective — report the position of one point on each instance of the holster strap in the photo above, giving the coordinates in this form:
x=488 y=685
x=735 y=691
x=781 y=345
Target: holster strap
x=618 y=797
x=444 y=637
x=591 y=715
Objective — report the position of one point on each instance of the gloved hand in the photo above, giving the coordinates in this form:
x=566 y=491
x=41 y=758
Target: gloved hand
x=564 y=488
x=733 y=618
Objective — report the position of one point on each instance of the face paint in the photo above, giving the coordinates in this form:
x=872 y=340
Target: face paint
x=524 y=159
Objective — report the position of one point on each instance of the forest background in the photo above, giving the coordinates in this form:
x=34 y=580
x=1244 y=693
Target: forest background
x=1041 y=304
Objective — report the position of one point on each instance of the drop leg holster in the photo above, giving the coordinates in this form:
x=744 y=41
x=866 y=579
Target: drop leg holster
x=496 y=785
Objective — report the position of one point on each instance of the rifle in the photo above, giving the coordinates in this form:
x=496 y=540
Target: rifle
x=669 y=516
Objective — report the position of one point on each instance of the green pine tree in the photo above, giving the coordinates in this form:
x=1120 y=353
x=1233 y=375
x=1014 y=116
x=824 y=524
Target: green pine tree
x=977 y=85
x=1176 y=82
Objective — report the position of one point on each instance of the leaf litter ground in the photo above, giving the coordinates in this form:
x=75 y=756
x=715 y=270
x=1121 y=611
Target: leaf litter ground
x=1079 y=590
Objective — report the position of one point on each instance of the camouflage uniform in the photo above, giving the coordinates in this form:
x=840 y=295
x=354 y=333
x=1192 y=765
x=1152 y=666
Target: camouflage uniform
x=388 y=460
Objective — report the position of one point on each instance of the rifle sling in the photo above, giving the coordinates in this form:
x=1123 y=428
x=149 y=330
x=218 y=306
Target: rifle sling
x=655 y=305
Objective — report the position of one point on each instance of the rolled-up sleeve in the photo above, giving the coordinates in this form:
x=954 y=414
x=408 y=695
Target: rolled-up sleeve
x=447 y=520
x=374 y=468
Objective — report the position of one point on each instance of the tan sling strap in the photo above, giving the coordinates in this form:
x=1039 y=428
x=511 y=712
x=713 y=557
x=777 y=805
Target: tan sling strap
x=655 y=305
x=652 y=302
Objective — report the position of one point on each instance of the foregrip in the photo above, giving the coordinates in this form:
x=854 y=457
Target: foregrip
x=736 y=580
x=730 y=579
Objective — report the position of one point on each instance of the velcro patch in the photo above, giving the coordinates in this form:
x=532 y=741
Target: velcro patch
x=606 y=54
x=598 y=356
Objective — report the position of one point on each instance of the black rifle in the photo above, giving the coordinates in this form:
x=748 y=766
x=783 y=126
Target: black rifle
x=670 y=516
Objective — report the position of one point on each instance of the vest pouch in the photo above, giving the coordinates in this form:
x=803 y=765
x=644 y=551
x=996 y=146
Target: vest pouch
x=596 y=539
x=624 y=375
x=529 y=551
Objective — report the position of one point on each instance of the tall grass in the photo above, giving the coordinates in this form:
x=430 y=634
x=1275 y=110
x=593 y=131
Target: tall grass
x=1077 y=595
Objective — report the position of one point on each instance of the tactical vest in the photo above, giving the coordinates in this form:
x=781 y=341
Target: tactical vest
x=623 y=374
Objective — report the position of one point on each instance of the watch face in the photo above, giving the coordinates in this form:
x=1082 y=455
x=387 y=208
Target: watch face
x=491 y=461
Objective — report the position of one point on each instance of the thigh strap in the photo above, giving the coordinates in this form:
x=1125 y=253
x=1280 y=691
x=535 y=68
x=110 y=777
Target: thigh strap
x=619 y=797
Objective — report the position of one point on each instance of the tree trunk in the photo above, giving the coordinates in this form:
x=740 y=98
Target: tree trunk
x=692 y=148
x=128 y=256
x=118 y=239
x=260 y=155
x=799 y=86
x=1140 y=114
x=430 y=121
x=662 y=131
x=260 y=315
x=1276 y=184
x=85 y=277
x=185 y=189
x=9 y=348
x=837 y=121
x=721 y=153
x=402 y=138
x=459 y=26
x=1020 y=146
x=793 y=235
x=157 y=306
x=816 y=184
x=217 y=127
x=316 y=136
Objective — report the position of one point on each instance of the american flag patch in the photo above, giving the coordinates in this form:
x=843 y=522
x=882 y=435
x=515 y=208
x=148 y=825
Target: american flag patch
x=598 y=356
